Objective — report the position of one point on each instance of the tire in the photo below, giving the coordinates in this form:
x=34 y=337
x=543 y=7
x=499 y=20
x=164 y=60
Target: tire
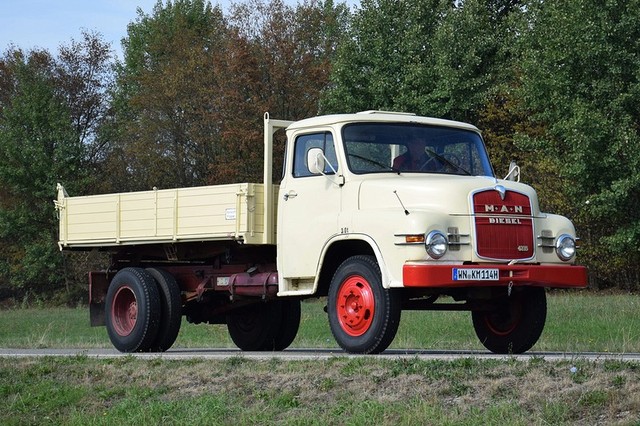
x=171 y=310
x=255 y=327
x=289 y=324
x=516 y=326
x=363 y=315
x=132 y=310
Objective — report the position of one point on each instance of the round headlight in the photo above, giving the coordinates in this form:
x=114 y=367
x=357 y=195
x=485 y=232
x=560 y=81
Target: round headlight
x=565 y=247
x=436 y=244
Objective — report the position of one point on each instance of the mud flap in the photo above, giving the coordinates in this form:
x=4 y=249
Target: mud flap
x=98 y=285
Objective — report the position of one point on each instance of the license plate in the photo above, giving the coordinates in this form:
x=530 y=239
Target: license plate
x=475 y=274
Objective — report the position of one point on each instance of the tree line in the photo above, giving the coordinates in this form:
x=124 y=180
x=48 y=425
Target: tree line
x=553 y=85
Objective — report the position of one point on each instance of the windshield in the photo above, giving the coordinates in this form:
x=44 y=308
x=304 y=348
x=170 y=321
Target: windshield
x=414 y=148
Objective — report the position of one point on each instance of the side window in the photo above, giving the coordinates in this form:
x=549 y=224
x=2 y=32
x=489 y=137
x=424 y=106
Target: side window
x=304 y=143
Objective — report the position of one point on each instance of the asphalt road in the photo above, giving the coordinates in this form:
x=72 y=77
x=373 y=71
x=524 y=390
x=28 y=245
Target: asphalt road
x=313 y=354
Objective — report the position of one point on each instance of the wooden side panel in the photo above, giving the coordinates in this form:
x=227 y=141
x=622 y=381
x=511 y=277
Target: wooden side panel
x=186 y=214
x=90 y=218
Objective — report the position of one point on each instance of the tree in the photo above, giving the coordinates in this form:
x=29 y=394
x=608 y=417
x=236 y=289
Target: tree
x=195 y=84
x=50 y=109
x=473 y=58
x=164 y=130
x=291 y=50
x=382 y=62
x=581 y=78
x=83 y=76
x=39 y=147
x=430 y=57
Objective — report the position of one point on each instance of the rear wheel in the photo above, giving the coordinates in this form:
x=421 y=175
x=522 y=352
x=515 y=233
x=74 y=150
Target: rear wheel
x=254 y=327
x=171 y=304
x=270 y=326
x=363 y=315
x=289 y=324
x=516 y=325
x=133 y=310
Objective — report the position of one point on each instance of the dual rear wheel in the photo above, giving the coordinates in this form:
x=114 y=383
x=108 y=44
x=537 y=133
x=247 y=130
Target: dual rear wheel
x=143 y=310
x=266 y=326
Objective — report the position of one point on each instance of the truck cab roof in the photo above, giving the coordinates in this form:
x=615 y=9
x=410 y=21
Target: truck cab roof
x=378 y=116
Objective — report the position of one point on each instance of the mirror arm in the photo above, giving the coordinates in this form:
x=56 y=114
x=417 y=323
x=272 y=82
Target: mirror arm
x=340 y=180
x=514 y=172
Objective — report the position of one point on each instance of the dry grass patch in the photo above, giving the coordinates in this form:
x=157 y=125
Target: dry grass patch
x=360 y=390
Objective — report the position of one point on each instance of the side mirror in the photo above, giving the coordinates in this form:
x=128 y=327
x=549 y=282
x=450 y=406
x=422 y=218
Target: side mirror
x=315 y=161
x=514 y=172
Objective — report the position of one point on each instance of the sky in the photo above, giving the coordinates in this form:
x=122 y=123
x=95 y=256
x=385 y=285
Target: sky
x=47 y=24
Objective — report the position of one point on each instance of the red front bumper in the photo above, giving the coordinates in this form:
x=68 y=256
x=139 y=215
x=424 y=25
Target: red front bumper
x=559 y=276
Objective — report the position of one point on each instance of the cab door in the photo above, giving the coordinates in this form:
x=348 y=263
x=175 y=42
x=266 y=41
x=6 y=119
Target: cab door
x=308 y=207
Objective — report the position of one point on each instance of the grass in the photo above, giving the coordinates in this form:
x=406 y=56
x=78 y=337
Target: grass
x=353 y=391
x=364 y=390
x=576 y=322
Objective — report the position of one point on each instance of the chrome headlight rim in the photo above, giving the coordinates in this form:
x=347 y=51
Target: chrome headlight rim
x=565 y=247
x=436 y=244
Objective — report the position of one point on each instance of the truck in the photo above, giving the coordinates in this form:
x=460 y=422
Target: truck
x=360 y=218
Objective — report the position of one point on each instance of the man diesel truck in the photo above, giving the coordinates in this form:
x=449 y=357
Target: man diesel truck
x=378 y=212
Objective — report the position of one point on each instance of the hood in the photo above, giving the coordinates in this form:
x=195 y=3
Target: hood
x=436 y=193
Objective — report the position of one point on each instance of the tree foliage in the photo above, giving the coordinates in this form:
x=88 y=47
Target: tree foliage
x=581 y=78
x=49 y=111
x=553 y=85
x=195 y=84
x=431 y=57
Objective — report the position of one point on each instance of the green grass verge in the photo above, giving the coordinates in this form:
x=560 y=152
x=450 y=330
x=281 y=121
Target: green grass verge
x=355 y=391
x=576 y=321
x=350 y=391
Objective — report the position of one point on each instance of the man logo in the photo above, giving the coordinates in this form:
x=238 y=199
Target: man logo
x=488 y=208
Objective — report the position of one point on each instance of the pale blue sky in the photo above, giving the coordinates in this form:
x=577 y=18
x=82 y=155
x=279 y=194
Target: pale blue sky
x=49 y=23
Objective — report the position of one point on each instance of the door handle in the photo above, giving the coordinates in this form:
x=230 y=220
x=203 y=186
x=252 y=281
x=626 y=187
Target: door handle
x=290 y=194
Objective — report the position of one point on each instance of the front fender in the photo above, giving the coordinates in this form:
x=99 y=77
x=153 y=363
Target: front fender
x=388 y=280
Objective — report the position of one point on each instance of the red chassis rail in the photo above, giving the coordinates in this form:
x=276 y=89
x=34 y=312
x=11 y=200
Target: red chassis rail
x=558 y=276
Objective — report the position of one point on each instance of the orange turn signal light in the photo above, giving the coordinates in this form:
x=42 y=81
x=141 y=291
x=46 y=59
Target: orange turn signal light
x=413 y=239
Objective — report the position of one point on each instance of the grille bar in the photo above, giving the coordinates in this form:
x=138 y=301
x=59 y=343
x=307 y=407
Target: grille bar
x=504 y=227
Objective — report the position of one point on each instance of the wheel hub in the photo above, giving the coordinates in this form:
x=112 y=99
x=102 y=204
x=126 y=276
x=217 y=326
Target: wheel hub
x=355 y=306
x=504 y=321
x=124 y=311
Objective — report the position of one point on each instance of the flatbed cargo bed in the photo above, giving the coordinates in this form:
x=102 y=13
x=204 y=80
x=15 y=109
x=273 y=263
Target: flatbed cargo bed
x=206 y=213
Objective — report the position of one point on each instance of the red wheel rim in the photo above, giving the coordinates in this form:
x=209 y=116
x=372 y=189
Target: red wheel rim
x=124 y=311
x=503 y=323
x=355 y=306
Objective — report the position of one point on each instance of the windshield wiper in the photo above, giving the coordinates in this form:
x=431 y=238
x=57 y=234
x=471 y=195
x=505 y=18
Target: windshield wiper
x=445 y=161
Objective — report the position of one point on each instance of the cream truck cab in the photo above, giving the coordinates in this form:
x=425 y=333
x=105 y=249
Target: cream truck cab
x=378 y=212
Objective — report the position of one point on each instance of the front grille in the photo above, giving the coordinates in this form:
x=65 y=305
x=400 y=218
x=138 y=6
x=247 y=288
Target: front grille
x=504 y=228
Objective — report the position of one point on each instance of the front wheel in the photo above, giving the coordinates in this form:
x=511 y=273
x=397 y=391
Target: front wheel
x=363 y=315
x=516 y=325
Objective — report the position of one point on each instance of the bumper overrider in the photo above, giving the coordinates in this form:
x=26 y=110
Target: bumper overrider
x=557 y=276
